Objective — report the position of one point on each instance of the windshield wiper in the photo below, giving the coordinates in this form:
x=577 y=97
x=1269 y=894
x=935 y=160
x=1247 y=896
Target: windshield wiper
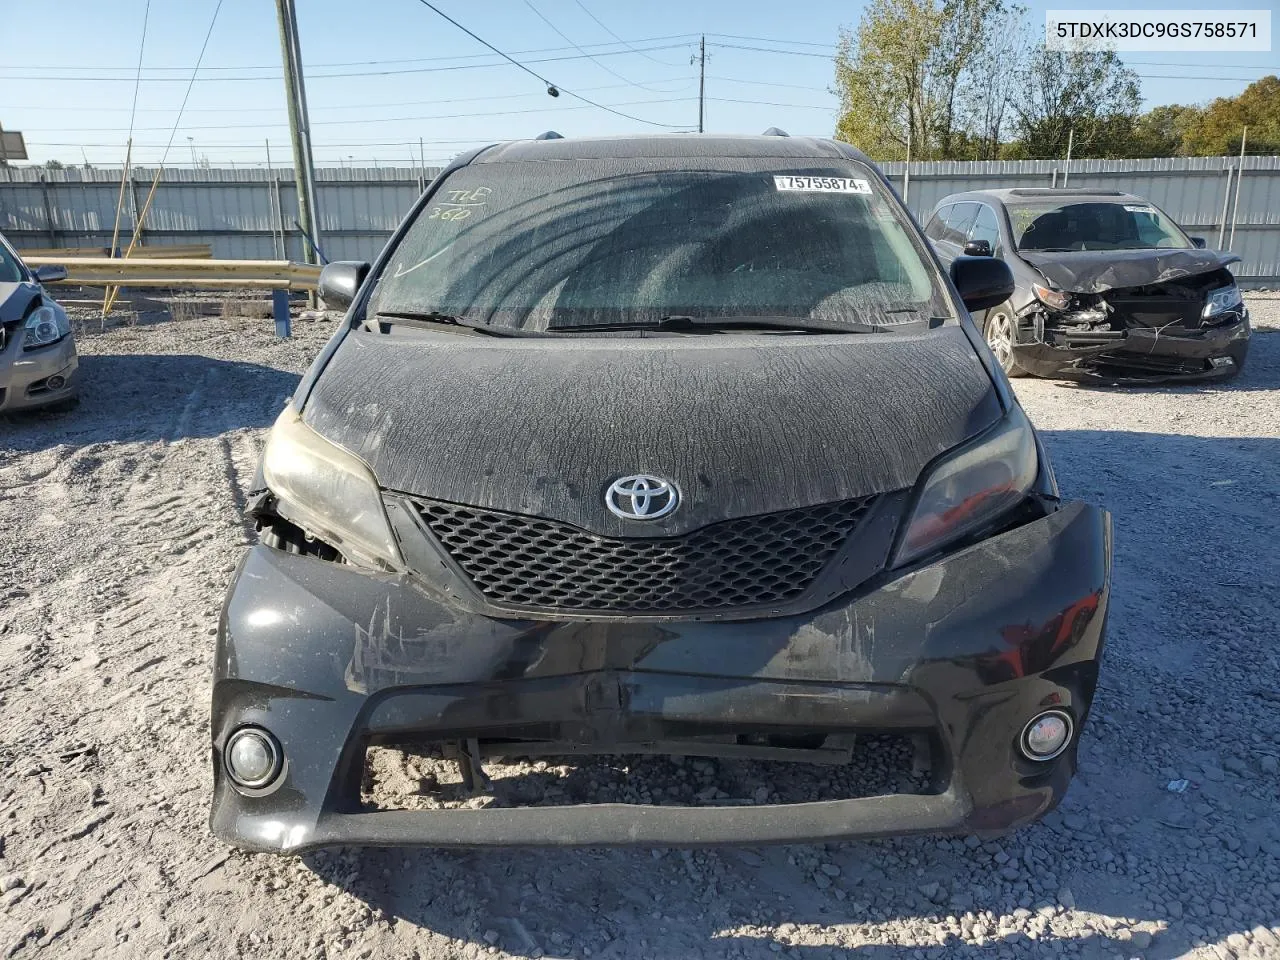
x=435 y=317
x=679 y=323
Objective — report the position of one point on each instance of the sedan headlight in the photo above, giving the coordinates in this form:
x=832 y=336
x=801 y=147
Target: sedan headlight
x=1054 y=299
x=45 y=326
x=328 y=492
x=971 y=487
x=1222 y=300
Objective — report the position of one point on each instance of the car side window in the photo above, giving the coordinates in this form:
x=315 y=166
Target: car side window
x=958 y=220
x=985 y=227
x=937 y=223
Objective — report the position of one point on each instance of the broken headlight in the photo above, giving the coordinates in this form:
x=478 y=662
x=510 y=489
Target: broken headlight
x=45 y=326
x=970 y=487
x=330 y=493
x=1222 y=300
x=1054 y=299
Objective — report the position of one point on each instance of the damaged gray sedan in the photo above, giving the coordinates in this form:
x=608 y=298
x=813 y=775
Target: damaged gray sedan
x=1108 y=287
x=37 y=353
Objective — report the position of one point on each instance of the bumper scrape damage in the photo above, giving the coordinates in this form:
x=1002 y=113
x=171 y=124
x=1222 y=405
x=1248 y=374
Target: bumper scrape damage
x=960 y=653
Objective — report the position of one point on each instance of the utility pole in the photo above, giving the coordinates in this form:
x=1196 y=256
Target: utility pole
x=702 y=77
x=299 y=130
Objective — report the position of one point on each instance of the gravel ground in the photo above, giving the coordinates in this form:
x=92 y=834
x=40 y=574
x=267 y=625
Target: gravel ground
x=119 y=526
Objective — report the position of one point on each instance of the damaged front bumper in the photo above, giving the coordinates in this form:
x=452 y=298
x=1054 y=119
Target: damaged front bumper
x=1136 y=354
x=963 y=651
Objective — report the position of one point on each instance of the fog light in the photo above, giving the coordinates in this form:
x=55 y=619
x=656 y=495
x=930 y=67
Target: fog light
x=1046 y=735
x=253 y=758
x=56 y=382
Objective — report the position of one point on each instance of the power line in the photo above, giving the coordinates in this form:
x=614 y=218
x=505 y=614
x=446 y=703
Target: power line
x=137 y=82
x=794 y=53
x=362 y=120
x=767 y=83
x=767 y=103
x=200 y=59
x=364 y=106
x=380 y=62
x=1154 y=76
x=625 y=43
x=323 y=76
x=800 y=43
x=565 y=37
x=551 y=88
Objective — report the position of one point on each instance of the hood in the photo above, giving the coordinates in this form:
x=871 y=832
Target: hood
x=15 y=299
x=1093 y=271
x=743 y=424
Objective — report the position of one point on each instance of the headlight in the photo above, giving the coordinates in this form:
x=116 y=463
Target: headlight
x=1054 y=299
x=45 y=326
x=1222 y=300
x=327 y=491
x=971 y=487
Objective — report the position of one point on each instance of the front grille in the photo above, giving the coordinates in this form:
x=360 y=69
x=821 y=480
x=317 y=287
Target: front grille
x=528 y=561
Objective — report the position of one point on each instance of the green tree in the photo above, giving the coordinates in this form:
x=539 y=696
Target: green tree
x=1162 y=131
x=1217 y=129
x=901 y=75
x=990 y=84
x=1091 y=93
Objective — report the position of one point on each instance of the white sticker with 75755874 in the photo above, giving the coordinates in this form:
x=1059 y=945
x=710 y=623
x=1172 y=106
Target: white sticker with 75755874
x=822 y=184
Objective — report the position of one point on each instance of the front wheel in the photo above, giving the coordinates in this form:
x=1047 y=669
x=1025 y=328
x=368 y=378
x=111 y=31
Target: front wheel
x=999 y=331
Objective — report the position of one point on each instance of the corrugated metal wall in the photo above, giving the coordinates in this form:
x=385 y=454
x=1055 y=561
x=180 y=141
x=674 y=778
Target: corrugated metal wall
x=235 y=211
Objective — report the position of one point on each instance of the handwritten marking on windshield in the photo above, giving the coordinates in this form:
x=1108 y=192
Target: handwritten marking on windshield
x=458 y=204
x=401 y=270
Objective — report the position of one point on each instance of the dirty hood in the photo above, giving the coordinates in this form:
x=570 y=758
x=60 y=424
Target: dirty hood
x=15 y=299
x=1093 y=271
x=743 y=424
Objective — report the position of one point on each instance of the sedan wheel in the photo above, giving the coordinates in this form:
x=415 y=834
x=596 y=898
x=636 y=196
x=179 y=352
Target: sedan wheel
x=999 y=334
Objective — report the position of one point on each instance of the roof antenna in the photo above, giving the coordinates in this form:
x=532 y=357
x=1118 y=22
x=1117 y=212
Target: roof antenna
x=775 y=132
x=549 y=135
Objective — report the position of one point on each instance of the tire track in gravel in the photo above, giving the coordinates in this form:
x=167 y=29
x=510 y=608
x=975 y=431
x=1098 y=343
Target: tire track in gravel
x=105 y=658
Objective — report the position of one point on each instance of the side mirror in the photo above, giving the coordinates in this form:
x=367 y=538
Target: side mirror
x=982 y=282
x=977 y=248
x=340 y=281
x=1200 y=242
x=50 y=273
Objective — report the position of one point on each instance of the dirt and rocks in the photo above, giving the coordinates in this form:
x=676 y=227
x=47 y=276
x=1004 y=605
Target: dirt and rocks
x=119 y=527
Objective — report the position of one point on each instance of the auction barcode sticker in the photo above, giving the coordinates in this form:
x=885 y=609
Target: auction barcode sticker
x=822 y=184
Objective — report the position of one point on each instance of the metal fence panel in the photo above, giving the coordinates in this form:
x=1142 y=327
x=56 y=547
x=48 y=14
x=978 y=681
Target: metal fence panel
x=250 y=213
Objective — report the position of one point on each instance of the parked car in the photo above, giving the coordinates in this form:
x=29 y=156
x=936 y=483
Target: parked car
x=37 y=351
x=1109 y=287
x=682 y=445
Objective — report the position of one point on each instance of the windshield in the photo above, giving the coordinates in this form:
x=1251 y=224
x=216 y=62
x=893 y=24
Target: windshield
x=10 y=272
x=596 y=243
x=1094 y=225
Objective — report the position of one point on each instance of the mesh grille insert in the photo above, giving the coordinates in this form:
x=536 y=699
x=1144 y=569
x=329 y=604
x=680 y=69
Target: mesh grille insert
x=529 y=561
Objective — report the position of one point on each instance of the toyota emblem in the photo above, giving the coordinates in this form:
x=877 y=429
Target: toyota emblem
x=641 y=497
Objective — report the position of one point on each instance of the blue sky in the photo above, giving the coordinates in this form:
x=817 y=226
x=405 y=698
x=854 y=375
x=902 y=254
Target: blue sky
x=383 y=73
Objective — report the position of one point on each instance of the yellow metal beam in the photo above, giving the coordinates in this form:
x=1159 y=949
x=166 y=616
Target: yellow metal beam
x=185 y=272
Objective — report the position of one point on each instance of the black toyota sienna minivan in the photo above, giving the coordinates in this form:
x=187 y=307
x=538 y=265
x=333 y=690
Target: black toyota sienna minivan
x=655 y=447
